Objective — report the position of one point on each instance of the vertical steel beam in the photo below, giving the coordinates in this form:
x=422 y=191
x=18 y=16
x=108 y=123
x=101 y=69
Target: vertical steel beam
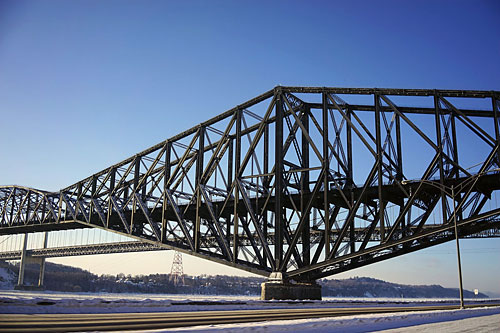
x=305 y=189
x=326 y=167
x=112 y=180
x=60 y=204
x=28 y=204
x=199 y=173
x=378 y=141
x=439 y=143
x=350 y=177
x=265 y=181
x=237 y=164
x=93 y=190
x=497 y=130
x=454 y=142
x=455 y=159
x=278 y=179
x=230 y=159
x=137 y=174
x=399 y=171
x=78 y=197
x=144 y=187
x=111 y=188
x=44 y=209
x=399 y=174
x=166 y=176
x=12 y=206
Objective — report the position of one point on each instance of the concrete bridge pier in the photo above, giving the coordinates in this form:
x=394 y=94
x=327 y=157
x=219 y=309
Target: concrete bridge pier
x=22 y=264
x=27 y=259
x=278 y=288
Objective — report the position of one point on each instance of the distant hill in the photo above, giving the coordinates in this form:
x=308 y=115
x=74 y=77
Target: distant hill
x=72 y=279
x=368 y=287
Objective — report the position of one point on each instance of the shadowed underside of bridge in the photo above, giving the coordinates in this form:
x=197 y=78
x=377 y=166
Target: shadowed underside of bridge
x=308 y=182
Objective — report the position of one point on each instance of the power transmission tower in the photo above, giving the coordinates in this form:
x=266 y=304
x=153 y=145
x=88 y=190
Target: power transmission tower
x=177 y=272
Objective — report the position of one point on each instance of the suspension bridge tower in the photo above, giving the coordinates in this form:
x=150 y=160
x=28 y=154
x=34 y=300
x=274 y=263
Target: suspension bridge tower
x=177 y=272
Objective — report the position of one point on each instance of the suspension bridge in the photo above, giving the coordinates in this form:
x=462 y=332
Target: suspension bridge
x=296 y=184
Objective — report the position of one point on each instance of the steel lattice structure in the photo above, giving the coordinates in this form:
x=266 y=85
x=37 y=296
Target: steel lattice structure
x=177 y=271
x=82 y=250
x=301 y=180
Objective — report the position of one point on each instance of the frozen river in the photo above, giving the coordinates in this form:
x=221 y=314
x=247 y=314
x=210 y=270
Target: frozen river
x=58 y=302
x=484 y=319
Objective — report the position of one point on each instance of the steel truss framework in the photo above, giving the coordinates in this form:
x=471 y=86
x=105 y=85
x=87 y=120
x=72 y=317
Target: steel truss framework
x=301 y=180
x=82 y=250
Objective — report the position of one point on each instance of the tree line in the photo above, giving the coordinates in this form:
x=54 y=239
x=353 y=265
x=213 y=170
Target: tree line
x=71 y=279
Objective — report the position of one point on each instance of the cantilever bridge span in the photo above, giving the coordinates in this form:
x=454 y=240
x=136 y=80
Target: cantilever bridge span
x=302 y=181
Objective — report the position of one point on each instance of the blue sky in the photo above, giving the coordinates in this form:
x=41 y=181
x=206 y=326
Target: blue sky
x=85 y=84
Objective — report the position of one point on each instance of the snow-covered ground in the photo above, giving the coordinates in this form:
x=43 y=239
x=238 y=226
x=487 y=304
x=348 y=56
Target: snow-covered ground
x=54 y=302
x=487 y=324
x=480 y=320
x=483 y=319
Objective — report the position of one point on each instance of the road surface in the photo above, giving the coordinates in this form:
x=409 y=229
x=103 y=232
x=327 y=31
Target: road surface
x=162 y=320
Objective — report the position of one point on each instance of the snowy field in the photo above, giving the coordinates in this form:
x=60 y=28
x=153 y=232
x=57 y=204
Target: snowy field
x=478 y=319
x=54 y=302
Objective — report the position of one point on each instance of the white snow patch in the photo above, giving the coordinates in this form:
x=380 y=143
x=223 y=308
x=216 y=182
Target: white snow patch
x=404 y=322
x=485 y=324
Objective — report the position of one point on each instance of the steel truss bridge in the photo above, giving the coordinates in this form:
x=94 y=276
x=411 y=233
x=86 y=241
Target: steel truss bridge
x=304 y=181
x=81 y=250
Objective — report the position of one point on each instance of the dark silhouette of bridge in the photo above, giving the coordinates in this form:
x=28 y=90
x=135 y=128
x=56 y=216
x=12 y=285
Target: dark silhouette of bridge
x=298 y=183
